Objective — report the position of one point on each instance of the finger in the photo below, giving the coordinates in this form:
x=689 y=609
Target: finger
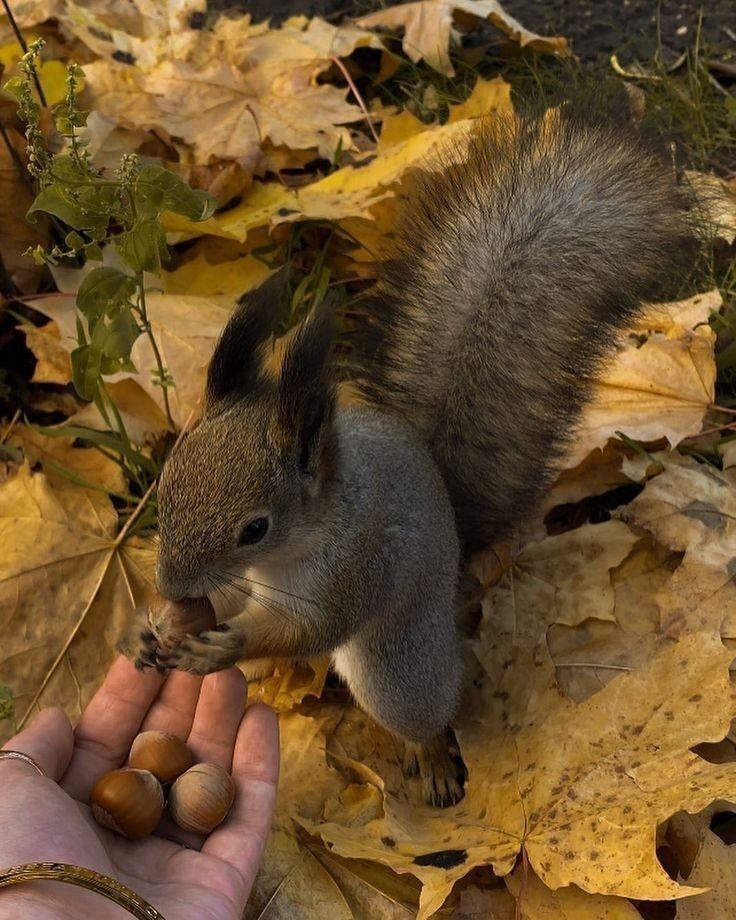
x=217 y=719
x=241 y=839
x=108 y=725
x=49 y=740
x=174 y=707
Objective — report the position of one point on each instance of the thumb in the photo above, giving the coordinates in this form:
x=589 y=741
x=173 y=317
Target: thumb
x=49 y=740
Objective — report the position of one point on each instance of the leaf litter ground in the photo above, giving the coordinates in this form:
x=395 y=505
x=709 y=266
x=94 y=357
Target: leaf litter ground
x=597 y=732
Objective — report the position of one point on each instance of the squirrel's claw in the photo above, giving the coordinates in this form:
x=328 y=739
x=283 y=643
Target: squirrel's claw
x=212 y=650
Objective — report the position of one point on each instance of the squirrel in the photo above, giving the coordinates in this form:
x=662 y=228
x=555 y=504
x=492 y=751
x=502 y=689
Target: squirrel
x=344 y=530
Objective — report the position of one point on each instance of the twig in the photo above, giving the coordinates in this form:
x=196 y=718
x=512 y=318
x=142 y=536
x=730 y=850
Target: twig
x=154 y=347
x=590 y=664
x=8 y=430
x=24 y=46
x=359 y=99
x=144 y=501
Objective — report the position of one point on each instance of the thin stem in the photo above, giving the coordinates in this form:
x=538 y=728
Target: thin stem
x=154 y=345
x=336 y=60
x=9 y=429
x=24 y=46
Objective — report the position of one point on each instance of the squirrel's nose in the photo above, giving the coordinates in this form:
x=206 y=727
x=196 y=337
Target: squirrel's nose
x=169 y=581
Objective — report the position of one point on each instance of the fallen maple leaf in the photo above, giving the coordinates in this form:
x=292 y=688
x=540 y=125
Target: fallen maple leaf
x=657 y=388
x=68 y=587
x=53 y=363
x=347 y=192
x=429 y=28
x=86 y=463
x=580 y=788
x=185 y=328
x=562 y=579
x=536 y=902
x=712 y=866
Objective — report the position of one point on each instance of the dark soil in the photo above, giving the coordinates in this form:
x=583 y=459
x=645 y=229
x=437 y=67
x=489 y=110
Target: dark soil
x=633 y=29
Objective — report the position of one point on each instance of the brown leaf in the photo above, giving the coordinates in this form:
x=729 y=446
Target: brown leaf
x=68 y=586
x=657 y=388
x=428 y=28
x=16 y=234
x=580 y=788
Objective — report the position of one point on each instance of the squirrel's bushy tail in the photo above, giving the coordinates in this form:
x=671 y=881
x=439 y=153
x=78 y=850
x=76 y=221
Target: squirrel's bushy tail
x=515 y=266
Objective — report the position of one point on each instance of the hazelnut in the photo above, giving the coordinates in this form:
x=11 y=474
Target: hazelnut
x=162 y=753
x=171 y=621
x=201 y=798
x=129 y=802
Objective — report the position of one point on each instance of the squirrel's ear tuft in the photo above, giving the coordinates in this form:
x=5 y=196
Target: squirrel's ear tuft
x=235 y=366
x=306 y=388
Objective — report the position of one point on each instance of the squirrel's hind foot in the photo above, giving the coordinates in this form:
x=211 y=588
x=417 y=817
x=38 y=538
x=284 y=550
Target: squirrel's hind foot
x=439 y=767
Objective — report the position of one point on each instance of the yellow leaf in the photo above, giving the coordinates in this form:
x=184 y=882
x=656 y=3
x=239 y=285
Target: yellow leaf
x=68 y=587
x=290 y=683
x=563 y=579
x=347 y=192
x=428 y=27
x=714 y=868
x=580 y=788
x=86 y=462
x=229 y=280
x=53 y=364
x=488 y=96
x=536 y=902
x=52 y=74
x=143 y=418
x=186 y=330
x=395 y=129
x=145 y=31
x=660 y=388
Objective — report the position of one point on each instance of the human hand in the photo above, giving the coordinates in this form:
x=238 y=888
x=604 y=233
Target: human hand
x=48 y=819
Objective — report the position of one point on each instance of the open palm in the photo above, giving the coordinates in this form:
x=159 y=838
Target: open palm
x=183 y=876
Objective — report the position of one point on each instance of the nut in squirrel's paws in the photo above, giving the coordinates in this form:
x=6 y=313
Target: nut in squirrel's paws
x=440 y=770
x=212 y=650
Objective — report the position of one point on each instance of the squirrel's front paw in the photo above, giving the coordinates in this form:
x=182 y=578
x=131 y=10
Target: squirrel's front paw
x=212 y=650
x=139 y=643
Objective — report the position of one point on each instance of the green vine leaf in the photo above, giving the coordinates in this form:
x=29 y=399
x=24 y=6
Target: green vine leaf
x=157 y=189
x=103 y=291
x=143 y=247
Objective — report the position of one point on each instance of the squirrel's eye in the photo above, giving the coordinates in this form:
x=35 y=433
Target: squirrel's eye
x=254 y=531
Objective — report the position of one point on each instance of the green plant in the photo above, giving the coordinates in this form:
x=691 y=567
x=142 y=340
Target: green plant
x=123 y=210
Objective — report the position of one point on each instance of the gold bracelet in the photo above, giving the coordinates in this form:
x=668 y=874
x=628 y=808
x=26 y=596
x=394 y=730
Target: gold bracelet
x=84 y=878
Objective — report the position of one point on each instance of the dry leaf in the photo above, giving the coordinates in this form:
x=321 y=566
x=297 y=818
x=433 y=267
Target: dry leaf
x=658 y=388
x=143 y=31
x=428 y=28
x=563 y=579
x=488 y=96
x=580 y=788
x=53 y=363
x=536 y=902
x=185 y=328
x=715 y=869
x=347 y=192
x=85 y=462
x=290 y=683
x=16 y=234
x=689 y=507
x=143 y=418
x=68 y=587
x=229 y=279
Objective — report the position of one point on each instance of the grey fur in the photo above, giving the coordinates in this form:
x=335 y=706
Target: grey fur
x=515 y=269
